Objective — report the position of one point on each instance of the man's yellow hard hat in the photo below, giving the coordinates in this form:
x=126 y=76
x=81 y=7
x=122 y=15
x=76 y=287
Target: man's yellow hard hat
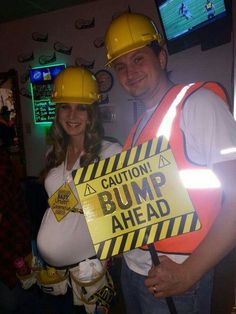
x=128 y=32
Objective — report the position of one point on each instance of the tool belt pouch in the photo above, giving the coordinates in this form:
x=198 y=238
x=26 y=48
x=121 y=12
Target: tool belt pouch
x=96 y=288
x=56 y=287
x=27 y=281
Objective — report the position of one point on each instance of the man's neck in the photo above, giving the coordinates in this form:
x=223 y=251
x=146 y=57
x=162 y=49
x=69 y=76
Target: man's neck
x=157 y=97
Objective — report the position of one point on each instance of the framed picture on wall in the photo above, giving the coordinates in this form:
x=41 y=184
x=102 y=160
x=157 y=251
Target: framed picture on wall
x=105 y=80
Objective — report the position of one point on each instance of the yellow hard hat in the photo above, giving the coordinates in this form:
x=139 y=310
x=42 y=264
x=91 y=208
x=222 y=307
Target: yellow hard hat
x=128 y=32
x=75 y=85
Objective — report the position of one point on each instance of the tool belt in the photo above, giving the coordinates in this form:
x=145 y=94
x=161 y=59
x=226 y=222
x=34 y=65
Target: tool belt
x=90 y=281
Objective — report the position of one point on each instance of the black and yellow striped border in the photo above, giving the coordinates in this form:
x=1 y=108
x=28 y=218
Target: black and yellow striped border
x=137 y=238
x=121 y=161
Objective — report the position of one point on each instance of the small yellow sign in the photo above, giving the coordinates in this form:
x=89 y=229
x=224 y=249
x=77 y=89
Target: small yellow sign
x=62 y=201
x=127 y=197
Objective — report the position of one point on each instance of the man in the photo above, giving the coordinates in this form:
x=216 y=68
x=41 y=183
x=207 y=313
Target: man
x=210 y=9
x=6 y=131
x=184 y=11
x=201 y=133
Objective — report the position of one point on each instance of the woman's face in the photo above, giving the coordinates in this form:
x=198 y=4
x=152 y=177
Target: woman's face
x=73 y=118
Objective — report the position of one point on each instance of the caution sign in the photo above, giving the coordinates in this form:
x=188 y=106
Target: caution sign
x=134 y=198
x=62 y=201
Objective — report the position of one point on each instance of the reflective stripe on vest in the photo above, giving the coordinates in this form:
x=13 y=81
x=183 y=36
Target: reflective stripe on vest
x=166 y=124
x=191 y=178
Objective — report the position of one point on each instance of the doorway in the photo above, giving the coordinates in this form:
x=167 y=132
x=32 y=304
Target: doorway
x=10 y=115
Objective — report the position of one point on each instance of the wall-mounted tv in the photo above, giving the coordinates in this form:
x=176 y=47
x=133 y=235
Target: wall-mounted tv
x=187 y=23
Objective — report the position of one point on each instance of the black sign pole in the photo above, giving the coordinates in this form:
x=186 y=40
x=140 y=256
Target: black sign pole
x=155 y=260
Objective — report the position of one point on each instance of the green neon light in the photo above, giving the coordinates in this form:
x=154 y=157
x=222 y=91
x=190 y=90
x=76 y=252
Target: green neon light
x=43 y=108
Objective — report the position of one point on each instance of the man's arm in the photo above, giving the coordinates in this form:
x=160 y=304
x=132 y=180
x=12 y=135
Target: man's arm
x=173 y=279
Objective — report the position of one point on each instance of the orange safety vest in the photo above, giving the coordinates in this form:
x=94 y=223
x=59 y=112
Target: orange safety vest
x=207 y=202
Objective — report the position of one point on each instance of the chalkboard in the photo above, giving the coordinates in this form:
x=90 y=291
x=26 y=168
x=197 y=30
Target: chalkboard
x=41 y=82
x=44 y=111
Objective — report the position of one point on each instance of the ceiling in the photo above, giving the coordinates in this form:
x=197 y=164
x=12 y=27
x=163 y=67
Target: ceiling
x=16 y=9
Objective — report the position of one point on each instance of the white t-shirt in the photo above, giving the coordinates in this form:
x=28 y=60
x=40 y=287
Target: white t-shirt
x=68 y=241
x=209 y=128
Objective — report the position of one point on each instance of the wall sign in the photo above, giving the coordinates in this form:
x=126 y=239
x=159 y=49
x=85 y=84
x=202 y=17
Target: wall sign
x=44 y=112
x=41 y=79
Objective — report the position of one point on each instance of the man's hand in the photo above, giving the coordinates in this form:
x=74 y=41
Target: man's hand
x=168 y=278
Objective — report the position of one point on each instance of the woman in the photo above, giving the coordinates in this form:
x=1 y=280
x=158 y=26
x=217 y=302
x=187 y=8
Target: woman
x=63 y=240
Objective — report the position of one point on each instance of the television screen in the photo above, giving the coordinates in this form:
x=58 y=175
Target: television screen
x=186 y=19
x=46 y=74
